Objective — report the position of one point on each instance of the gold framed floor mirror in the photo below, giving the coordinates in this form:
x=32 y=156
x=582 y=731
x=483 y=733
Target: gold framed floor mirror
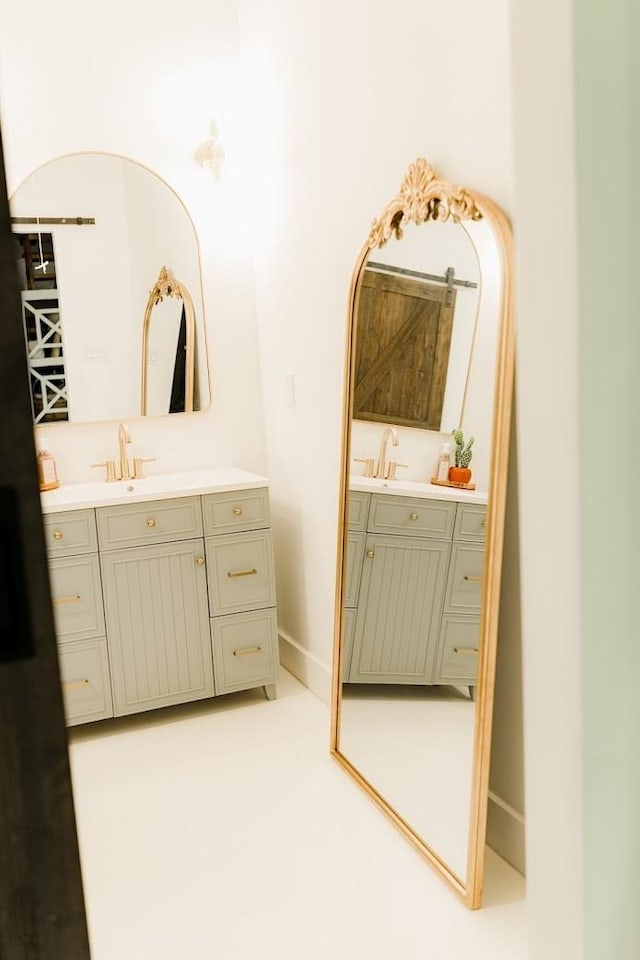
x=428 y=386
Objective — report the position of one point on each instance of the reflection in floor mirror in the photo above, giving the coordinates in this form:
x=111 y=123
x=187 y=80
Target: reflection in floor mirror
x=426 y=421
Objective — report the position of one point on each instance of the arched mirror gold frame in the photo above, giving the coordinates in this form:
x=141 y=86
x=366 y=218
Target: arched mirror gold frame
x=167 y=286
x=423 y=198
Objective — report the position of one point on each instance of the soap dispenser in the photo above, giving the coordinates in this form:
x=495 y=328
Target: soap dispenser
x=444 y=462
x=47 y=472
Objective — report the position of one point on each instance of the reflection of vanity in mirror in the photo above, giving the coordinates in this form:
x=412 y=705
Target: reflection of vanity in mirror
x=419 y=560
x=111 y=292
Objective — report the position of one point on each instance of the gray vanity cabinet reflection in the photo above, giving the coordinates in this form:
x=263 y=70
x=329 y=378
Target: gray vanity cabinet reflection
x=356 y=540
x=398 y=614
x=413 y=590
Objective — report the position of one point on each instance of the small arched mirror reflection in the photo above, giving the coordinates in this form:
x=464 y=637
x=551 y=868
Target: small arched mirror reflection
x=430 y=353
x=168 y=349
x=92 y=233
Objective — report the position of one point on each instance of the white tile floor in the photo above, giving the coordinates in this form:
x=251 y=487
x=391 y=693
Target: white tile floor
x=224 y=830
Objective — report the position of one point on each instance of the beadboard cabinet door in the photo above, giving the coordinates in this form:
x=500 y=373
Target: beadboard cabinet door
x=157 y=625
x=398 y=618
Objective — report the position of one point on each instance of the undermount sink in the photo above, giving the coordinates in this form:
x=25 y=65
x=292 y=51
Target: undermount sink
x=415 y=488
x=162 y=486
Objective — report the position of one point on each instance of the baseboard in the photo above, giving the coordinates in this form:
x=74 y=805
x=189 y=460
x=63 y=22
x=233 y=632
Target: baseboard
x=505 y=832
x=315 y=674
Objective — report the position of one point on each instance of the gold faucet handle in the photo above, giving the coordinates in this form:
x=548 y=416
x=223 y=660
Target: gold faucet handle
x=111 y=469
x=392 y=467
x=368 y=465
x=138 y=470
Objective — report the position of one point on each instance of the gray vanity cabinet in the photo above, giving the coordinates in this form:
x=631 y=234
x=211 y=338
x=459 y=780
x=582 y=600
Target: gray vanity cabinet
x=158 y=625
x=413 y=590
x=163 y=602
x=242 y=590
x=76 y=593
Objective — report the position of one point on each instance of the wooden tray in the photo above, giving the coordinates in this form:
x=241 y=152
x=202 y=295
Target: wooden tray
x=453 y=483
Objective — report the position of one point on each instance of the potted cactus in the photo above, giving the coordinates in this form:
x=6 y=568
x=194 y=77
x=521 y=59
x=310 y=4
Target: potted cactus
x=461 y=473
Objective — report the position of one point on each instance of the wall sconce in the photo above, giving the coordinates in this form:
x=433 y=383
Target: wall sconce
x=210 y=153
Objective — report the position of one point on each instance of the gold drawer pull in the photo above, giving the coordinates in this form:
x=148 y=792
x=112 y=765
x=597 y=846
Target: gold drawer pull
x=247 y=651
x=242 y=573
x=465 y=651
x=237 y=511
x=151 y=522
x=74 y=684
x=413 y=516
x=473 y=579
x=61 y=600
x=200 y=561
x=58 y=534
x=371 y=554
x=484 y=522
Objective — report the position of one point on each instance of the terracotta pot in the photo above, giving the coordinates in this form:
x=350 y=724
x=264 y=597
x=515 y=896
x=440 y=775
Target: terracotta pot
x=459 y=474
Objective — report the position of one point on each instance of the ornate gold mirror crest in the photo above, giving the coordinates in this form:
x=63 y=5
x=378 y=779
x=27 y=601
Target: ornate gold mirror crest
x=424 y=201
x=167 y=287
x=422 y=197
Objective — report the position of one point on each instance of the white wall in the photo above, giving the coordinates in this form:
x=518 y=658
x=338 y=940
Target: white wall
x=135 y=86
x=548 y=427
x=339 y=115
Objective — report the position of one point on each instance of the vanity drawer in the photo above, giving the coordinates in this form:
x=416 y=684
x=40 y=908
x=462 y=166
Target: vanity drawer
x=237 y=510
x=76 y=594
x=84 y=673
x=471 y=521
x=245 y=650
x=464 y=582
x=411 y=516
x=358 y=509
x=459 y=646
x=240 y=572
x=156 y=521
x=70 y=533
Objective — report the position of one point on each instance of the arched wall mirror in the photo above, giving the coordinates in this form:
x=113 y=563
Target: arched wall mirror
x=430 y=352
x=95 y=235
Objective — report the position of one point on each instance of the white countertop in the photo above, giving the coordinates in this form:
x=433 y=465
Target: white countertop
x=413 y=488
x=164 y=486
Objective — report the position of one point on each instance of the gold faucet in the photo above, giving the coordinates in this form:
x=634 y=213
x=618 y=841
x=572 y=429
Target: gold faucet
x=381 y=463
x=124 y=470
x=124 y=437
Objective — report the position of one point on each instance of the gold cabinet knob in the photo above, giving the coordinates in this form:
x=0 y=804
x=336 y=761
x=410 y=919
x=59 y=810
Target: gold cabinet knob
x=484 y=522
x=371 y=554
x=58 y=534
x=151 y=522
x=237 y=511
x=200 y=561
x=413 y=516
